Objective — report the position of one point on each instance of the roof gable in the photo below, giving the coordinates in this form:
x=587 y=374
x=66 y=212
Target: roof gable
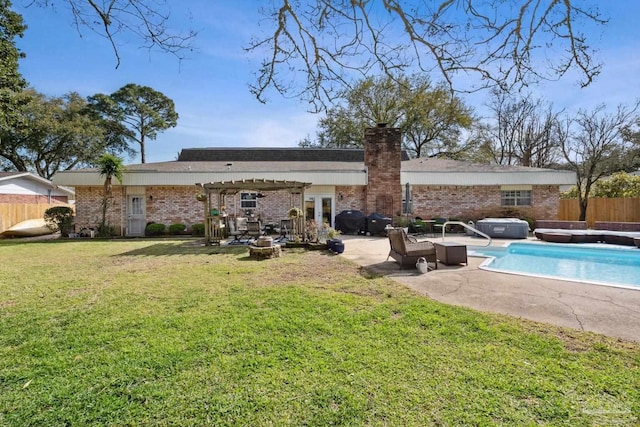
x=21 y=182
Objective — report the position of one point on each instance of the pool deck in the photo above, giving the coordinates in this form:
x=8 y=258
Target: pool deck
x=605 y=310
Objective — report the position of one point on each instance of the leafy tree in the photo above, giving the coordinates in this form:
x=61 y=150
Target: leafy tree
x=521 y=132
x=593 y=146
x=571 y=193
x=136 y=113
x=313 y=49
x=11 y=82
x=110 y=167
x=434 y=122
x=431 y=118
x=55 y=133
x=620 y=184
x=631 y=134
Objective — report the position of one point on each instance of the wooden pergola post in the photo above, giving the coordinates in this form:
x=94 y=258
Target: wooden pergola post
x=213 y=228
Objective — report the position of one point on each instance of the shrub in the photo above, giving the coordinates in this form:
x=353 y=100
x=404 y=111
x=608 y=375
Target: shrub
x=530 y=221
x=154 y=229
x=106 y=230
x=197 y=229
x=177 y=228
x=59 y=218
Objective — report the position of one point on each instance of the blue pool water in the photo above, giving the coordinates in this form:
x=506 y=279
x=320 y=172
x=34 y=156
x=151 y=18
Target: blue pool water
x=599 y=265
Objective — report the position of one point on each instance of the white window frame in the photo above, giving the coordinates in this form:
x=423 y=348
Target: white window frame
x=248 y=200
x=515 y=197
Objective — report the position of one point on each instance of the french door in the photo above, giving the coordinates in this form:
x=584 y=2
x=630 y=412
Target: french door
x=320 y=208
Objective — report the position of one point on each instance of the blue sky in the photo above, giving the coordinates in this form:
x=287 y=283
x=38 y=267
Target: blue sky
x=210 y=87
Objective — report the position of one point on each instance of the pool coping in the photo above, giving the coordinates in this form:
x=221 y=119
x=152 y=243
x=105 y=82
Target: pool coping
x=485 y=265
x=607 y=310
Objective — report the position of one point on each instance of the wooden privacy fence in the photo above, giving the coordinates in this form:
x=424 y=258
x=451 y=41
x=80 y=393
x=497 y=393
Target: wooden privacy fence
x=623 y=209
x=13 y=213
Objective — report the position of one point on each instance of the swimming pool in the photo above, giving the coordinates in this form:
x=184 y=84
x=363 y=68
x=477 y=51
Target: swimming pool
x=589 y=264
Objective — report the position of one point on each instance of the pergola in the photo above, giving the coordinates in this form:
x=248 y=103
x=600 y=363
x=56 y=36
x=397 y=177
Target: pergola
x=216 y=192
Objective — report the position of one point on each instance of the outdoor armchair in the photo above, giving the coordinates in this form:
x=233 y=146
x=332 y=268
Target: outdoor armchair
x=407 y=250
x=254 y=229
x=238 y=229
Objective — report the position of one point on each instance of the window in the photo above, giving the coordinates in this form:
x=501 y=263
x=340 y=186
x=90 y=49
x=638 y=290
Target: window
x=248 y=200
x=515 y=198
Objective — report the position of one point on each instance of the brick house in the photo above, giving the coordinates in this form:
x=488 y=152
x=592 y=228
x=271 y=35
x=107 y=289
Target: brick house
x=28 y=188
x=373 y=179
x=24 y=195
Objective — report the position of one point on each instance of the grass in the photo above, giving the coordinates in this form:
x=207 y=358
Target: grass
x=166 y=332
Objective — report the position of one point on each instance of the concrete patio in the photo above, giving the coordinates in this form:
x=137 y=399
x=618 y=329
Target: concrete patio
x=601 y=309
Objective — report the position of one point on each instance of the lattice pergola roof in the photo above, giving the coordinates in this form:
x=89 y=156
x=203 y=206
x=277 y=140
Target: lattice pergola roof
x=230 y=187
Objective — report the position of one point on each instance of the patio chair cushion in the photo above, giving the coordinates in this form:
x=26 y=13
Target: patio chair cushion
x=406 y=250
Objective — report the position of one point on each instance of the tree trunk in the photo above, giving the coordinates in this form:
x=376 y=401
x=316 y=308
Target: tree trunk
x=583 y=202
x=142 y=156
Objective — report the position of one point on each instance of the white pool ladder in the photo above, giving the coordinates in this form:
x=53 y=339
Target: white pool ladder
x=468 y=227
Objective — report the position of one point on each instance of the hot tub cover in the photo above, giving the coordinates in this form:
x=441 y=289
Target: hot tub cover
x=509 y=228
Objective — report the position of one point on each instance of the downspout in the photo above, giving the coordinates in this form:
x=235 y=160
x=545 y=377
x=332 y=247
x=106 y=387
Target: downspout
x=123 y=205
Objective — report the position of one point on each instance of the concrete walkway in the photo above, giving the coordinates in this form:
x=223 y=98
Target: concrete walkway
x=602 y=309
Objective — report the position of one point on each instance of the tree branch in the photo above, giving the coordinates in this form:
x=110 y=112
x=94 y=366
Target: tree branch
x=334 y=42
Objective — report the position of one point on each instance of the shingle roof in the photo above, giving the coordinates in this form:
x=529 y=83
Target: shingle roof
x=244 y=166
x=424 y=164
x=347 y=169
x=289 y=154
x=223 y=164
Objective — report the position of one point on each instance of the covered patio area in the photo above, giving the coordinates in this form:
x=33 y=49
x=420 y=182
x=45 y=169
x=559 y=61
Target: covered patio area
x=214 y=196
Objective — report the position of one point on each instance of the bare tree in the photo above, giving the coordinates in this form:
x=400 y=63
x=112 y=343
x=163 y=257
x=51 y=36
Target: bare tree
x=500 y=42
x=314 y=49
x=147 y=20
x=593 y=146
x=522 y=132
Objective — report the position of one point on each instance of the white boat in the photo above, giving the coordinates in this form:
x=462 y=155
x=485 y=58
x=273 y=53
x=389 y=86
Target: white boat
x=28 y=228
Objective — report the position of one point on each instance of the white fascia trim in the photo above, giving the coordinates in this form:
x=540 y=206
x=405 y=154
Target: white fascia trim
x=92 y=179
x=489 y=178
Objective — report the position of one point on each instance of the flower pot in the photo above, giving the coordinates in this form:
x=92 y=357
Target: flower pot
x=336 y=245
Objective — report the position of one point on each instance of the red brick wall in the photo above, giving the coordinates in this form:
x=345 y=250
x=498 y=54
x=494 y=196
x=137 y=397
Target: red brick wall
x=351 y=197
x=382 y=156
x=170 y=205
x=472 y=203
x=176 y=204
x=89 y=208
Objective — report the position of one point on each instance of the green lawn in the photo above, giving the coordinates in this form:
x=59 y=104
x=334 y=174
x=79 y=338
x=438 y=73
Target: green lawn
x=168 y=332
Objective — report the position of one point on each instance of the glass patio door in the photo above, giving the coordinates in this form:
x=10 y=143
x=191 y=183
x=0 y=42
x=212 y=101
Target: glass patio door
x=319 y=208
